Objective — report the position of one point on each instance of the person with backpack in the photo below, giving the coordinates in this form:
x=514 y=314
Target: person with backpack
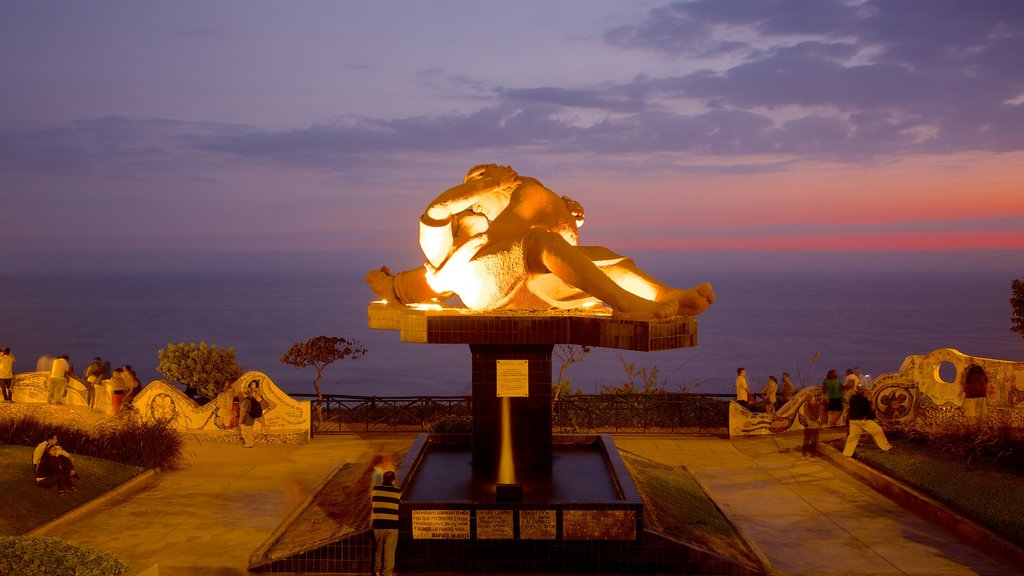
x=250 y=411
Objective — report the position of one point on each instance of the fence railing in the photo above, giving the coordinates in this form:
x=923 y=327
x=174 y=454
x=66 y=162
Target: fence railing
x=577 y=413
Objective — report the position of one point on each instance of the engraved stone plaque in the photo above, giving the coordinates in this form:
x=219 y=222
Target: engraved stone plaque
x=494 y=524
x=599 y=524
x=537 y=524
x=440 y=524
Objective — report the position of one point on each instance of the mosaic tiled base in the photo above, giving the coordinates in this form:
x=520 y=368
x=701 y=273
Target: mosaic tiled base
x=463 y=326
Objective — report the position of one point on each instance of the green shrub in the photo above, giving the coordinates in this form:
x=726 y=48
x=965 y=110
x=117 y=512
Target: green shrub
x=996 y=445
x=203 y=370
x=23 y=556
x=127 y=440
x=451 y=424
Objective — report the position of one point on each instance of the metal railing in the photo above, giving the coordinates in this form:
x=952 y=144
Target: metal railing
x=577 y=413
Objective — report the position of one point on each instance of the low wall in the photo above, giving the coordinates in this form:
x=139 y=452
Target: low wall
x=929 y=389
x=287 y=420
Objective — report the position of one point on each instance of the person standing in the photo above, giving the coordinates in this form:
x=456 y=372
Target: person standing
x=384 y=499
x=7 y=373
x=862 y=419
x=742 y=388
x=770 y=394
x=850 y=384
x=833 y=388
x=93 y=374
x=59 y=379
x=251 y=410
x=788 y=390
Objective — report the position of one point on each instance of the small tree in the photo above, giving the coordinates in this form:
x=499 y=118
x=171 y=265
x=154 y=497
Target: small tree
x=320 y=352
x=1017 y=306
x=568 y=354
x=203 y=370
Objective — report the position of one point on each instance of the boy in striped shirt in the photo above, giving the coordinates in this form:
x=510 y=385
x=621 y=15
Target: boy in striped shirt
x=384 y=518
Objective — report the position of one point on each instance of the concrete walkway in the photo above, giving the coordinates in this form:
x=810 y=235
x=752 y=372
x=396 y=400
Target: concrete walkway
x=803 y=515
x=207 y=519
x=807 y=517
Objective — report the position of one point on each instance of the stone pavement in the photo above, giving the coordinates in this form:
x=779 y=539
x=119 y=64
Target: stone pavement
x=805 y=516
x=207 y=519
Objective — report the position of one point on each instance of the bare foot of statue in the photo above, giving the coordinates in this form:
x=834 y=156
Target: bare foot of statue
x=383 y=285
x=691 y=301
x=637 y=308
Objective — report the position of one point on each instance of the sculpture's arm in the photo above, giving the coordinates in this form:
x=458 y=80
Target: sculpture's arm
x=488 y=180
x=436 y=241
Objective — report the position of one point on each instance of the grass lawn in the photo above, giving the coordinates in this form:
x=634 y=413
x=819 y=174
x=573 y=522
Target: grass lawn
x=676 y=506
x=987 y=494
x=25 y=505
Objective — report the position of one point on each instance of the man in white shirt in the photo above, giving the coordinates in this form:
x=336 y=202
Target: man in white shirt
x=7 y=373
x=59 y=379
x=742 y=388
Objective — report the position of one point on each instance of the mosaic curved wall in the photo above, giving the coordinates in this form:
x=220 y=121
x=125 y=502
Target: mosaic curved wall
x=928 y=388
x=287 y=421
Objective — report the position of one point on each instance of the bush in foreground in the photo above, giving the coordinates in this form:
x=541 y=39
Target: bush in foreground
x=127 y=440
x=24 y=556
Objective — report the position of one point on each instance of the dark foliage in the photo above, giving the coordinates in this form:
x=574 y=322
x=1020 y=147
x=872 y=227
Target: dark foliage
x=125 y=440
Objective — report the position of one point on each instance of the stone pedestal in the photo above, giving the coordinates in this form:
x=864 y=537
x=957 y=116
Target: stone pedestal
x=530 y=336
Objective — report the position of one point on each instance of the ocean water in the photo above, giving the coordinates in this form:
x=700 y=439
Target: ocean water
x=767 y=318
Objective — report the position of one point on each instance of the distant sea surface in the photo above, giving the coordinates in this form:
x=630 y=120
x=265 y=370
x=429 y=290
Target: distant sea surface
x=766 y=319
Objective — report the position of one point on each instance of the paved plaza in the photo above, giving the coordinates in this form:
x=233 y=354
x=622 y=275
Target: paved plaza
x=804 y=516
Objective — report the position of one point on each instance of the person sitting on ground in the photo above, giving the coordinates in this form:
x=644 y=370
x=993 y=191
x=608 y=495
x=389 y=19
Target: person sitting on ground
x=862 y=419
x=499 y=240
x=51 y=471
x=66 y=460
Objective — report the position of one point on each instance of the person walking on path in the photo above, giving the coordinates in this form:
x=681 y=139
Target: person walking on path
x=742 y=388
x=384 y=499
x=59 y=379
x=862 y=419
x=7 y=373
x=251 y=410
x=833 y=388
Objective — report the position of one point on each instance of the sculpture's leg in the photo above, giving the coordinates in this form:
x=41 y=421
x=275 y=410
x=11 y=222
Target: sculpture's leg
x=549 y=252
x=408 y=287
x=625 y=272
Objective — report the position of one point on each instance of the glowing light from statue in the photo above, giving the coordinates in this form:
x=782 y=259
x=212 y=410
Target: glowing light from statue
x=506 y=470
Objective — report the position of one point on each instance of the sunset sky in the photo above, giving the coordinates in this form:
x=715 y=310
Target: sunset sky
x=132 y=130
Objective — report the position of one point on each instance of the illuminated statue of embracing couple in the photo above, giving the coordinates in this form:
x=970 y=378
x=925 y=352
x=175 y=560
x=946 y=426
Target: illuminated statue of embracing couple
x=500 y=240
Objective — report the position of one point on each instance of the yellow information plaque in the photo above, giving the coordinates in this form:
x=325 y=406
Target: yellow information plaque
x=494 y=524
x=513 y=378
x=537 y=524
x=440 y=524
